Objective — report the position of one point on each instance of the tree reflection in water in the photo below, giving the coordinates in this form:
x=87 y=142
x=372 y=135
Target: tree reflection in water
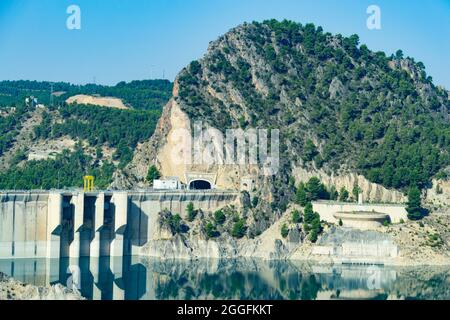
x=143 y=278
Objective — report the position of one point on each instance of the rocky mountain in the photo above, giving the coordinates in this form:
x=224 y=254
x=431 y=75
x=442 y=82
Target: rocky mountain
x=342 y=111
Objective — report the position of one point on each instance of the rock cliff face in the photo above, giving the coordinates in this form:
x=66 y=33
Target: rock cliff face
x=370 y=191
x=349 y=245
x=11 y=289
x=195 y=244
x=439 y=193
x=404 y=244
x=147 y=153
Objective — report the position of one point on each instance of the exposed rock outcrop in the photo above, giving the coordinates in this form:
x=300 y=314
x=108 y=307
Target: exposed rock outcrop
x=11 y=289
x=439 y=193
x=195 y=245
x=146 y=153
x=410 y=243
x=407 y=244
x=371 y=191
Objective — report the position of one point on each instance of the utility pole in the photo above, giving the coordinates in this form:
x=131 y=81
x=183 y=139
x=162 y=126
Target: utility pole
x=51 y=94
x=151 y=71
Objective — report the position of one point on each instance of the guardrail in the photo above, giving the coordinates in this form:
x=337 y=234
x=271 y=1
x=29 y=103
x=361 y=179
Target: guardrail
x=387 y=204
x=39 y=191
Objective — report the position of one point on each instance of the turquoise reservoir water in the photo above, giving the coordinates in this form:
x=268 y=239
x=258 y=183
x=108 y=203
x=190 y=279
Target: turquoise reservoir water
x=137 y=278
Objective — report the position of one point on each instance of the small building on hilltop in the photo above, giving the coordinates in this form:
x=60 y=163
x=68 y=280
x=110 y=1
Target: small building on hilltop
x=169 y=183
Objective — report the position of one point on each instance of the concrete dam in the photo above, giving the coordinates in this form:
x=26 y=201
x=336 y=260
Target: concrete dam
x=72 y=224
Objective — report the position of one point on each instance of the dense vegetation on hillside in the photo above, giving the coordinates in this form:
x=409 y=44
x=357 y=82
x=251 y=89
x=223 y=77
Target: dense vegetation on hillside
x=143 y=95
x=120 y=130
x=66 y=170
x=10 y=124
x=337 y=104
x=99 y=126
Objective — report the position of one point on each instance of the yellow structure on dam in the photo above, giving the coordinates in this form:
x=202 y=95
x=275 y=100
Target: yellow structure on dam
x=88 y=182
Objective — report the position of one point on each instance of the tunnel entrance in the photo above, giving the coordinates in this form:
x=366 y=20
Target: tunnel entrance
x=200 y=185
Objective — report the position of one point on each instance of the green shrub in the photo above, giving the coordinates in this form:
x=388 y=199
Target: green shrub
x=284 y=230
x=356 y=191
x=191 y=213
x=211 y=230
x=239 y=229
x=255 y=201
x=414 y=205
x=219 y=217
x=343 y=194
x=313 y=235
x=312 y=224
x=312 y=190
x=152 y=174
x=175 y=223
x=301 y=197
x=308 y=213
x=296 y=216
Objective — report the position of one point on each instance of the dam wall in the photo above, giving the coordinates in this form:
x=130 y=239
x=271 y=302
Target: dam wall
x=63 y=224
x=23 y=225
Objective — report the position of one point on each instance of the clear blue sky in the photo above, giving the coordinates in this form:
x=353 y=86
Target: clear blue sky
x=138 y=39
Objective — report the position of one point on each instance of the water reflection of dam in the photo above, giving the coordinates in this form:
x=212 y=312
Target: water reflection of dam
x=138 y=278
x=354 y=282
x=93 y=276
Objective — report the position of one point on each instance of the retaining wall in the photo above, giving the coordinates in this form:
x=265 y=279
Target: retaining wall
x=327 y=209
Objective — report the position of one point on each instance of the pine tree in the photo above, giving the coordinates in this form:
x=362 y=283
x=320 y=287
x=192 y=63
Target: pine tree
x=284 y=231
x=191 y=213
x=296 y=216
x=414 y=205
x=219 y=217
x=356 y=191
x=314 y=188
x=301 y=195
x=343 y=194
x=334 y=195
x=309 y=213
x=152 y=174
